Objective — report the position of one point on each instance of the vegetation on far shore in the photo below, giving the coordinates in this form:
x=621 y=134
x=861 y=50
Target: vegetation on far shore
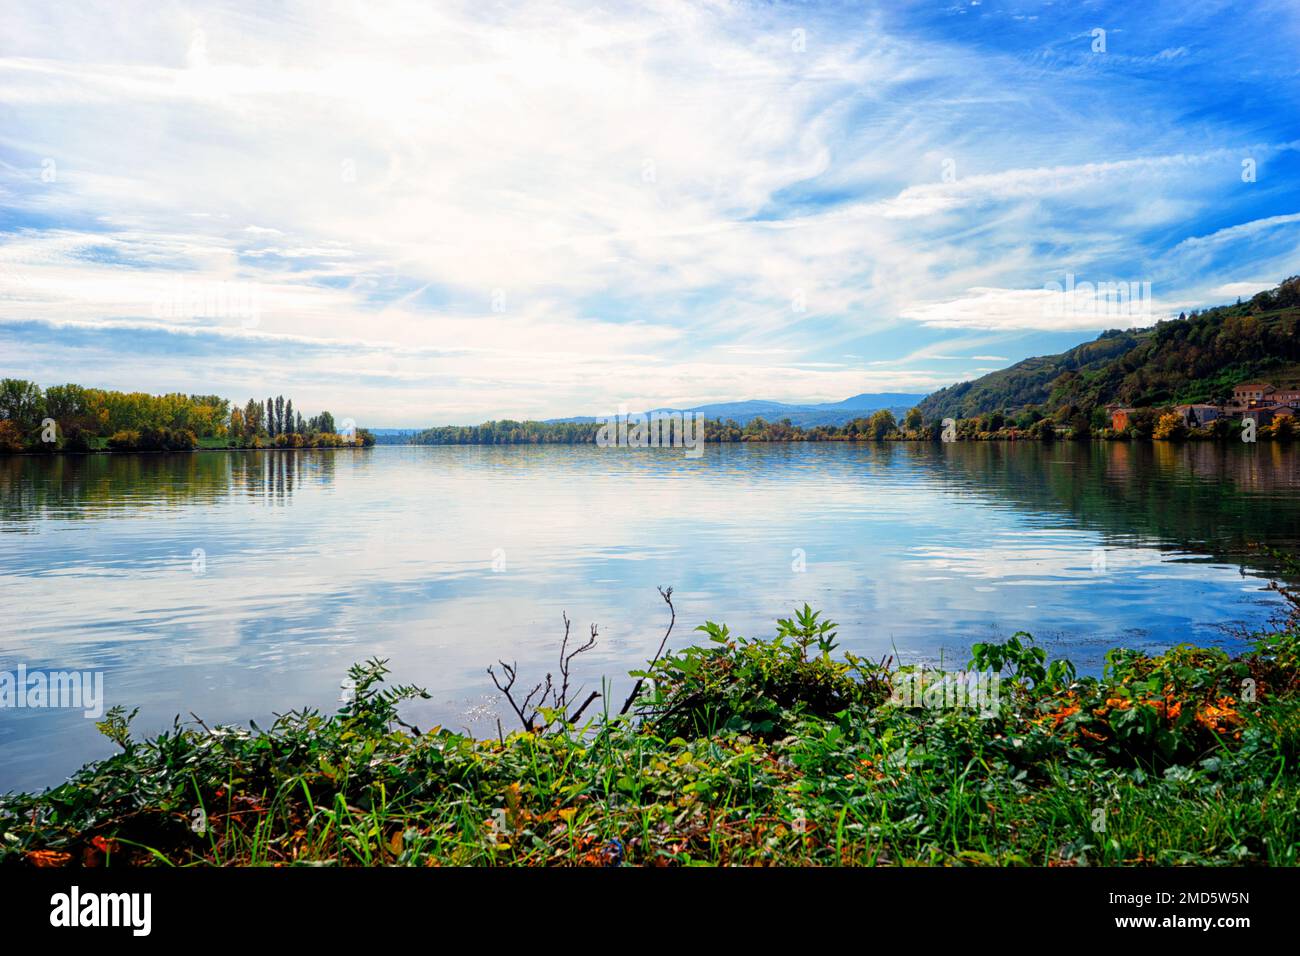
x=72 y=418
x=1028 y=425
x=735 y=751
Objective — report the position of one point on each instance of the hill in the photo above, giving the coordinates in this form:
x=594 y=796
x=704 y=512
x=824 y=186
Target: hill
x=1195 y=358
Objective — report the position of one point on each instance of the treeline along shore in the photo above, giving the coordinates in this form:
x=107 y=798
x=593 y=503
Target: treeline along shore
x=1144 y=424
x=76 y=419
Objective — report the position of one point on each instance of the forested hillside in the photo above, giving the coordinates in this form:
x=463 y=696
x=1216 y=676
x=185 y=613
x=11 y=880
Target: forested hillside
x=1195 y=358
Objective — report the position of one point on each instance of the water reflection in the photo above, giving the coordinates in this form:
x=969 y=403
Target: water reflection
x=33 y=487
x=444 y=559
x=1218 y=499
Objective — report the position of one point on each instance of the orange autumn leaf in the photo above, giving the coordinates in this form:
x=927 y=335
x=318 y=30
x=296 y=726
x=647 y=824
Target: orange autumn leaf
x=48 y=858
x=1059 y=717
x=103 y=845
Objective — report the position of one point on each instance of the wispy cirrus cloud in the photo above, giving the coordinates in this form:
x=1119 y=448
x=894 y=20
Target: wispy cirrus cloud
x=447 y=213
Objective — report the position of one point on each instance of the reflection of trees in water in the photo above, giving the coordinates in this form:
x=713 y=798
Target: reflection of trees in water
x=274 y=476
x=270 y=477
x=82 y=486
x=1212 y=498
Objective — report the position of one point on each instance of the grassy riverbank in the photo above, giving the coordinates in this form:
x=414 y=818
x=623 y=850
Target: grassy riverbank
x=776 y=751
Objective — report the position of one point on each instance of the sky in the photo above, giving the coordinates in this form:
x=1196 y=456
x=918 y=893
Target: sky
x=430 y=213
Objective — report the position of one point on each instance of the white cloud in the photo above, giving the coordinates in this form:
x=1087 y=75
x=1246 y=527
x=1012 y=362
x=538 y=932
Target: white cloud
x=1244 y=290
x=1085 y=308
x=529 y=206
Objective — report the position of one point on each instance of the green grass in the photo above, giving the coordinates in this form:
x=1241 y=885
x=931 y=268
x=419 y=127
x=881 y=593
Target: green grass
x=750 y=752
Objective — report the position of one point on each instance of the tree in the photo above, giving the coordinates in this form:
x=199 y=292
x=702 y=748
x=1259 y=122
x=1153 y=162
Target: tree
x=1169 y=427
x=69 y=405
x=1042 y=430
x=66 y=403
x=252 y=419
x=323 y=424
x=1223 y=428
x=1080 y=425
x=21 y=402
x=11 y=439
x=289 y=423
x=1026 y=419
x=913 y=420
x=881 y=424
x=1143 y=422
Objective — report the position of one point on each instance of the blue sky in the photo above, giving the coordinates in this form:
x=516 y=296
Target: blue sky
x=416 y=214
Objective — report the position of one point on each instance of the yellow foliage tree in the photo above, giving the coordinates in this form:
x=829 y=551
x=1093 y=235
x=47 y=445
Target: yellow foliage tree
x=1170 y=427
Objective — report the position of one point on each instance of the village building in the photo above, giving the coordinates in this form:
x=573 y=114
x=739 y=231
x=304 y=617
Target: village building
x=1250 y=394
x=1261 y=401
x=1198 y=416
x=1267 y=414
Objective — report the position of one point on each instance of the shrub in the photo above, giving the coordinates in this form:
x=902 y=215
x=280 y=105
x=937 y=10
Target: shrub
x=153 y=439
x=124 y=440
x=11 y=437
x=1223 y=428
x=1142 y=422
x=76 y=439
x=1154 y=711
x=1042 y=430
x=1169 y=427
x=760 y=686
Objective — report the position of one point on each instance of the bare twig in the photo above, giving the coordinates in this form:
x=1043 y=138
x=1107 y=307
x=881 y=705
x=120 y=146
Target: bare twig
x=566 y=658
x=511 y=675
x=595 y=694
x=545 y=695
x=667 y=595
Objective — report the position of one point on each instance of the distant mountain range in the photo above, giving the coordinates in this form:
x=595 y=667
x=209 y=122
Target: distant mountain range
x=806 y=416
